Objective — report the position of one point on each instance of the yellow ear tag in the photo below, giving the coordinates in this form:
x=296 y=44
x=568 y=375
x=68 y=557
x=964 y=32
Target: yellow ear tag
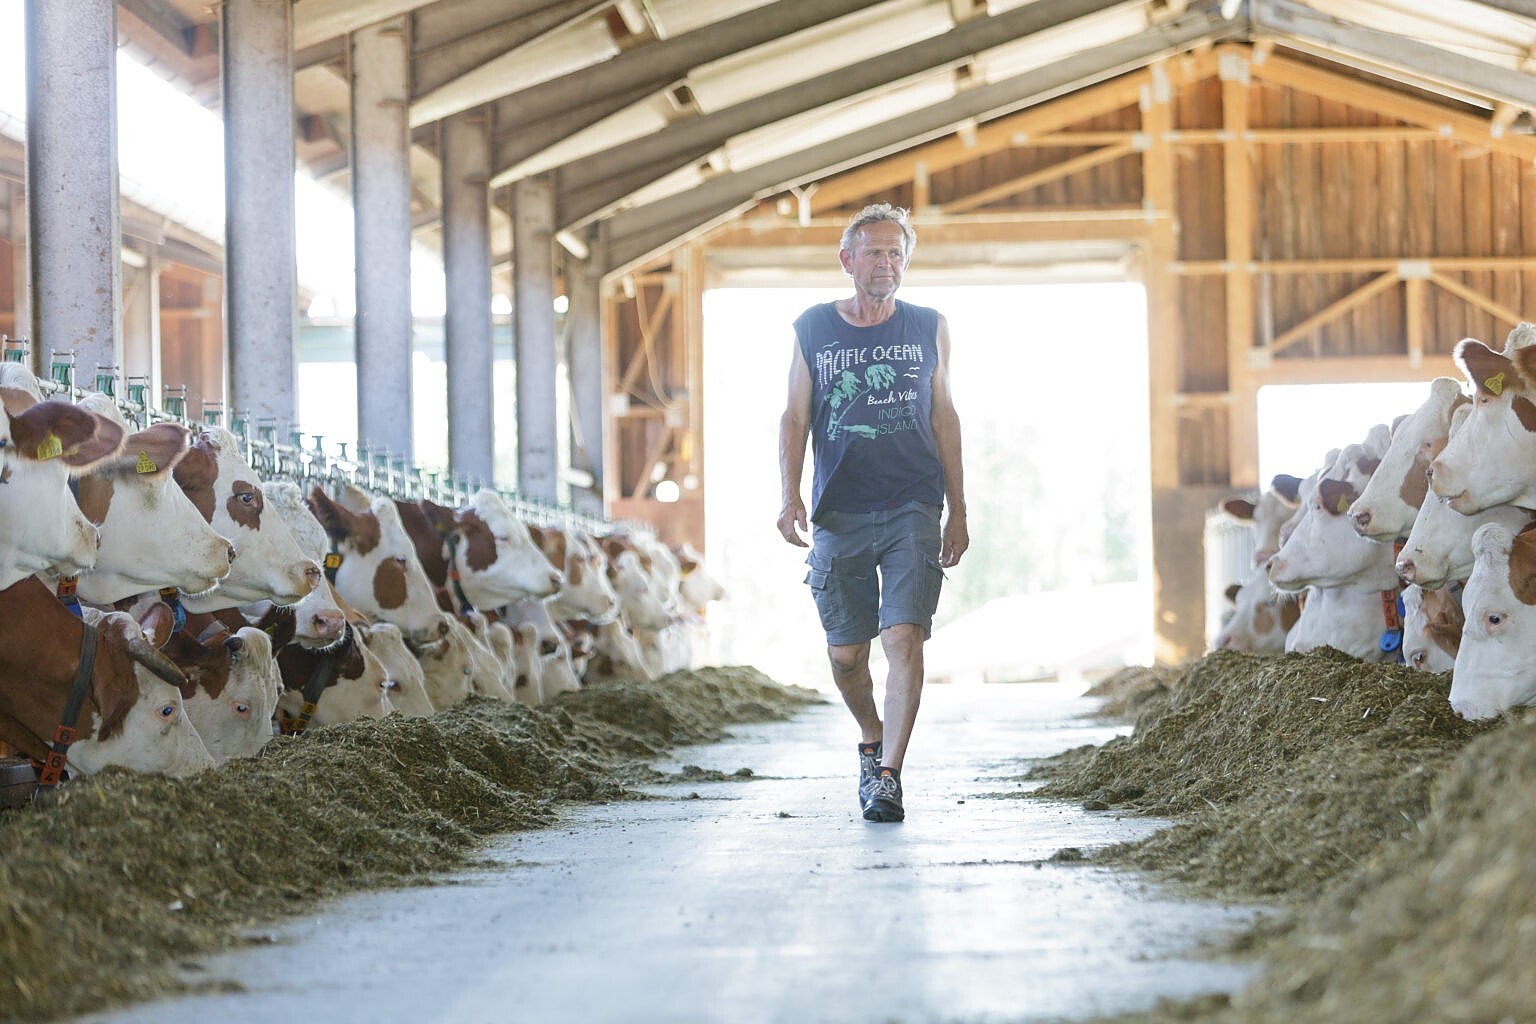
x=50 y=447
x=1495 y=383
x=146 y=464
x=1343 y=503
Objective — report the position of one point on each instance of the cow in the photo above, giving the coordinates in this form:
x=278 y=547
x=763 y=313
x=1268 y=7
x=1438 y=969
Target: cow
x=231 y=689
x=380 y=573
x=1389 y=502
x=483 y=555
x=152 y=536
x=405 y=682
x=586 y=592
x=43 y=444
x=1494 y=668
x=538 y=637
x=227 y=492
x=1432 y=624
x=1274 y=506
x=1352 y=600
x=344 y=682
x=1487 y=462
x=1261 y=617
x=132 y=714
x=319 y=616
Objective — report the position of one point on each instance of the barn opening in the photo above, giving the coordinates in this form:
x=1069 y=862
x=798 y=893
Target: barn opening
x=1050 y=380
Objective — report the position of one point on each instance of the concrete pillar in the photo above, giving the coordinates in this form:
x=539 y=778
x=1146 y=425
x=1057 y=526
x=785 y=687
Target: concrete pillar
x=141 y=324
x=533 y=308
x=260 y=268
x=16 y=233
x=381 y=201
x=584 y=333
x=73 y=214
x=466 y=152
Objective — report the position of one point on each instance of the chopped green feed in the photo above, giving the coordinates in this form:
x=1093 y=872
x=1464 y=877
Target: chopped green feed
x=108 y=885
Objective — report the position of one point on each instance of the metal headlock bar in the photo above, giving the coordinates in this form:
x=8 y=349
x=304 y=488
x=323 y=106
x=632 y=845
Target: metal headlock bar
x=277 y=452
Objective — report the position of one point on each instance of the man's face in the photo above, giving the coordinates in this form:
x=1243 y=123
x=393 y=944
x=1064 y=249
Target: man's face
x=878 y=259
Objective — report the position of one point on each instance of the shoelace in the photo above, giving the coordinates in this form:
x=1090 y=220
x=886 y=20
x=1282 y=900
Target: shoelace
x=887 y=787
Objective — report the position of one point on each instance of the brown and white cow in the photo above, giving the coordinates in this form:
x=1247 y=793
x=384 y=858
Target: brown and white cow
x=348 y=679
x=487 y=551
x=1389 y=502
x=1432 y=624
x=42 y=445
x=132 y=716
x=586 y=592
x=1496 y=662
x=406 y=683
x=227 y=492
x=231 y=689
x=1261 y=618
x=1489 y=461
x=1275 y=506
x=319 y=616
x=152 y=536
x=380 y=573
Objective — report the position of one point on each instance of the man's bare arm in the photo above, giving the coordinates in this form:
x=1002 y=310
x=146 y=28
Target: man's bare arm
x=794 y=428
x=946 y=432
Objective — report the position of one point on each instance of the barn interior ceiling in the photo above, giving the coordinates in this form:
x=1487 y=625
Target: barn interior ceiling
x=658 y=119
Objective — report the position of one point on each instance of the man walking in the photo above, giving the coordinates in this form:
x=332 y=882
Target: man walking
x=869 y=382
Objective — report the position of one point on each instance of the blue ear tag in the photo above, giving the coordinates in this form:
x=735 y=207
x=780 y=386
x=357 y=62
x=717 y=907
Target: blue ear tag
x=1391 y=640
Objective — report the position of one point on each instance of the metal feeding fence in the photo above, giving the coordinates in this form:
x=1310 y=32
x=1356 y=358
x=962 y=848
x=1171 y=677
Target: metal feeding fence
x=277 y=452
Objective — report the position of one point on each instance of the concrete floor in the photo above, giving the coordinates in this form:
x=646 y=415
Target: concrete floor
x=766 y=900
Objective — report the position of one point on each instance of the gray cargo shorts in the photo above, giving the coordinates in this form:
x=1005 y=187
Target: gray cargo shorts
x=873 y=570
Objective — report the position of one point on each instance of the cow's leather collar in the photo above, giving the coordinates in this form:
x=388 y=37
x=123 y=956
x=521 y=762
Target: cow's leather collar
x=453 y=575
x=52 y=771
x=324 y=674
x=1392 y=615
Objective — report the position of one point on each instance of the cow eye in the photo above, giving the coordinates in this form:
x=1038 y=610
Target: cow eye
x=391 y=684
x=167 y=711
x=242 y=709
x=1417 y=657
x=400 y=560
x=247 y=497
x=1494 y=618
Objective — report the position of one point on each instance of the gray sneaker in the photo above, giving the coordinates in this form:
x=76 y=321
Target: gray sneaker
x=883 y=802
x=869 y=767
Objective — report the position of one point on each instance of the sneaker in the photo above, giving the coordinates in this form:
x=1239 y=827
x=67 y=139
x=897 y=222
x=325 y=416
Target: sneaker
x=869 y=766
x=883 y=802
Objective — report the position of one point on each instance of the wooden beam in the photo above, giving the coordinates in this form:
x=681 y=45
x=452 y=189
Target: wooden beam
x=1361 y=265
x=1414 y=310
x=1044 y=176
x=1467 y=128
x=1047 y=224
x=1007 y=132
x=1238 y=205
x=1358 y=297
x=1477 y=299
x=647 y=326
x=1355 y=369
x=1162 y=287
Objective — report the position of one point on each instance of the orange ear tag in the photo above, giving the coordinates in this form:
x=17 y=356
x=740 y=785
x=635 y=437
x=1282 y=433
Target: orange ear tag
x=50 y=447
x=1495 y=383
x=1343 y=503
x=146 y=464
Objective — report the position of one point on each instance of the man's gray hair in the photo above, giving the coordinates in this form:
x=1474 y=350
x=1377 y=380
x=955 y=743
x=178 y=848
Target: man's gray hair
x=874 y=214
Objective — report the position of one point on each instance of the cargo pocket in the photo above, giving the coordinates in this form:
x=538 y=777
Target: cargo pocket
x=933 y=582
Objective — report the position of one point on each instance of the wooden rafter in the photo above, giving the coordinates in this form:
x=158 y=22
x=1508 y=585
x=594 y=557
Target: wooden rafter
x=1475 y=298
x=1334 y=310
x=648 y=327
x=1036 y=179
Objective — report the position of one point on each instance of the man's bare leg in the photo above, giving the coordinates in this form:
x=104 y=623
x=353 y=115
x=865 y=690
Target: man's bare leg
x=903 y=645
x=850 y=671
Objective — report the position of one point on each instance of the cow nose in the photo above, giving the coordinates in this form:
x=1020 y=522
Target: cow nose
x=231 y=549
x=557 y=580
x=312 y=576
x=1362 y=518
x=1429 y=471
x=233 y=645
x=329 y=623
x=1406 y=569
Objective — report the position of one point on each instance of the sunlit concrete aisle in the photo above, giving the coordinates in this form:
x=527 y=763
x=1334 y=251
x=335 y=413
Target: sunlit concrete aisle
x=766 y=900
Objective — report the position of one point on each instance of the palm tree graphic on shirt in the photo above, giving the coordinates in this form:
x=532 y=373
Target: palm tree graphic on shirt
x=846 y=393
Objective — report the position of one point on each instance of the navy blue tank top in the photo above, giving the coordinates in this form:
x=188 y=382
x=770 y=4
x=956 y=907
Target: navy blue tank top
x=872 y=409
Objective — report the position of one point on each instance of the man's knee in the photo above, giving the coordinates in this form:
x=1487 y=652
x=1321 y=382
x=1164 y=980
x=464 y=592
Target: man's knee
x=848 y=659
x=902 y=639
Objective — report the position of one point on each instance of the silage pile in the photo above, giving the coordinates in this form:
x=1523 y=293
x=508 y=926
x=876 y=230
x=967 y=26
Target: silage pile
x=1400 y=838
x=106 y=889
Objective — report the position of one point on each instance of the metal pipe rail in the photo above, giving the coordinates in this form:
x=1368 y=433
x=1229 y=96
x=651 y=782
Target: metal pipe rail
x=277 y=452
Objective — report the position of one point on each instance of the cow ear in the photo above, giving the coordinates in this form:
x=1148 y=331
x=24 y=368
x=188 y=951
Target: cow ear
x=1487 y=371
x=442 y=519
x=1238 y=508
x=154 y=451
x=1232 y=591
x=332 y=516
x=1335 y=496
x=157 y=621
x=1287 y=486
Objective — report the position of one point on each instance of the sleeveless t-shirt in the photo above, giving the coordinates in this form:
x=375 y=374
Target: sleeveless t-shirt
x=871 y=409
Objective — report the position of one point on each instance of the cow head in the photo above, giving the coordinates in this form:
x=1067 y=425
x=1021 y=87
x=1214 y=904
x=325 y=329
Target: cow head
x=42 y=445
x=1432 y=623
x=231 y=690
x=405 y=683
x=493 y=552
x=1484 y=464
x=358 y=689
x=1390 y=500
x=586 y=592
x=151 y=534
x=228 y=494
x=1325 y=551
x=1260 y=619
x=380 y=574
x=1496 y=663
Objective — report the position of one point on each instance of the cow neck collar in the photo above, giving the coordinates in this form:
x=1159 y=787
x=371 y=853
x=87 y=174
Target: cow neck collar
x=51 y=772
x=1392 y=616
x=453 y=575
x=324 y=674
x=172 y=597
